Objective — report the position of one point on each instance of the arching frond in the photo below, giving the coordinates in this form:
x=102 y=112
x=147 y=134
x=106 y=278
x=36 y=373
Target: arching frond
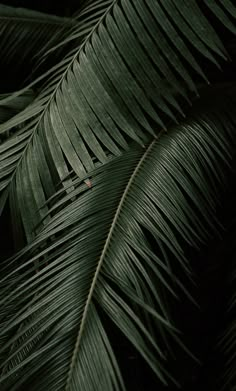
x=119 y=85
x=106 y=249
x=14 y=106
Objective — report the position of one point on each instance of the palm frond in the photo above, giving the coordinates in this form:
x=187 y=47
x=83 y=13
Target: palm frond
x=119 y=85
x=14 y=106
x=84 y=20
x=108 y=249
x=219 y=9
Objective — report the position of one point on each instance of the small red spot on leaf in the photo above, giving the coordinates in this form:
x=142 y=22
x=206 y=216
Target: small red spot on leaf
x=88 y=183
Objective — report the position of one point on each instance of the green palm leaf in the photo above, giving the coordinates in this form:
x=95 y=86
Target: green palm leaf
x=108 y=250
x=14 y=106
x=70 y=37
x=119 y=85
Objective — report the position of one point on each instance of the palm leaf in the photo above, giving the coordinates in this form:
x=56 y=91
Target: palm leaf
x=108 y=250
x=13 y=141
x=119 y=85
x=8 y=110
x=83 y=22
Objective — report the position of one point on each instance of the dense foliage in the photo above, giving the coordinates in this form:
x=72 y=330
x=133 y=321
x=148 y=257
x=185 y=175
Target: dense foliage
x=117 y=172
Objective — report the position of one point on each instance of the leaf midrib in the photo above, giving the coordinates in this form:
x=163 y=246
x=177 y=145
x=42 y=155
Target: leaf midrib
x=56 y=89
x=101 y=259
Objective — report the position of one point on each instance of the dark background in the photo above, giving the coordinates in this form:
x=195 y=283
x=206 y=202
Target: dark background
x=201 y=327
x=61 y=8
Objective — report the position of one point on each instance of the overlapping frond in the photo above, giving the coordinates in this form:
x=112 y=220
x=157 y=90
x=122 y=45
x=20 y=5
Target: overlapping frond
x=14 y=106
x=108 y=249
x=72 y=36
x=120 y=84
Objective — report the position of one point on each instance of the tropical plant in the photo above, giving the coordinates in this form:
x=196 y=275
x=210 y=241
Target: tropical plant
x=110 y=181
